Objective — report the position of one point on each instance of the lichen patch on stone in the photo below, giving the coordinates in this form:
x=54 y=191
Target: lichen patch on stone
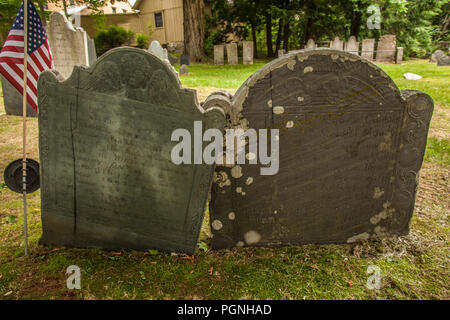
x=217 y=225
x=252 y=237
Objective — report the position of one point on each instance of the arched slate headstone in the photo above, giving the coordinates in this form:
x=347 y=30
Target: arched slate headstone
x=351 y=147
x=105 y=148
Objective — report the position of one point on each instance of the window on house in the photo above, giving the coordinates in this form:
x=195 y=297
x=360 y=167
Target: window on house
x=124 y=11
x=159 y=20
x=113 y=10
x=71 y=2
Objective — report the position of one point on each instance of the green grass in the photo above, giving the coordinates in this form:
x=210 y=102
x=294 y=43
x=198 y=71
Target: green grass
x=412 y=267
x=438 y=151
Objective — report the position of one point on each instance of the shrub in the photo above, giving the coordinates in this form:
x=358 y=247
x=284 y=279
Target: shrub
x=112 y=37
x=142 y=40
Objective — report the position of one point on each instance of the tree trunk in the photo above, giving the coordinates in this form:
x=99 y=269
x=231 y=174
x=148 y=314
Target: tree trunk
x=356 y=22
x=65 y=8
x=269 y=35
x=194 y=29
x=41 y=8
x=280 y=35
x=286 y=34
x=255 y=44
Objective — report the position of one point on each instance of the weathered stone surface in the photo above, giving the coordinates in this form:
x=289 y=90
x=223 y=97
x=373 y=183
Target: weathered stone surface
x=156 y=49
x=337 y=44
x=351 y=146
x=368 y=48
x=443 y=61
x=248 y=52
x=219 y=54
x=92 y=54
x=399 y=55
x=281 y=52
x=436 y=55
x=105 y=148
x=69 y=46
x=185 y=60
x=232 y=53
x=352 y=46
x=311 y=44
x=387 y=48
x=13 y=100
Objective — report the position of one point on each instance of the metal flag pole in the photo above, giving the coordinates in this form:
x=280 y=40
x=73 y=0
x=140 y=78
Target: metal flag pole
x=24 y=117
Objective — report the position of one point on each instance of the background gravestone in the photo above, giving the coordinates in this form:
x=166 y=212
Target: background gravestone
x=437 y=54
x=399 y=55
x=107 y=179
x=91 y=51
x=13 y=100
x=184 y=60
x=232 y=53
x=219 y=54
x=367 y=50
x=351 y=147
x=386 y=48
x=337 y=44
x=156 y=49
x=248 y=52
x=352 y=45
x=69 y=46
x=311 y=44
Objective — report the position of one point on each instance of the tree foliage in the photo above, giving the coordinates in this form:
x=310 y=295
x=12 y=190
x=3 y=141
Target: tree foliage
x=288 y=24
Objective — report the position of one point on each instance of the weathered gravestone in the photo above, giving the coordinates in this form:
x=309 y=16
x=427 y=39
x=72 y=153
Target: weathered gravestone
x=337 y=44
x=350 y=149
x=437 y=54
x=156 y=49
x=368 y=48
x=386 y=48
x=443 y=61
x=92 y=54
x=399 y=55
x=69 y=46
x=107 y=177
x=248 y=52
x=184 y=70
x=13 y=100
x=232 y=53
x=219 y=54
x=311 y=44
x=184 y=60
x=352 y=45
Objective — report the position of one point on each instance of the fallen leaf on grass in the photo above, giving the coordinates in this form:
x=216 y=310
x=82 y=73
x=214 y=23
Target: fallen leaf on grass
x=350 y=283
x=7 y=294
x=210 y=271
x=116 y=253
x=315 y=267
x=187 y=257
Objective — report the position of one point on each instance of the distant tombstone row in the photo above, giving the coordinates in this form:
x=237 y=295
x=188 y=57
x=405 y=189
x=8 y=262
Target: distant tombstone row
x=350 y=149
x=232 y=53
x=70 y=46
x=386 y=51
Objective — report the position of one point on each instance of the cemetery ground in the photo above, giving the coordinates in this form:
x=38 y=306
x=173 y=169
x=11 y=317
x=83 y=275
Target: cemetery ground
x=412 y=267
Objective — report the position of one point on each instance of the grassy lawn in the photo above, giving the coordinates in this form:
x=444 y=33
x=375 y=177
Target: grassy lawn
x=412 y=267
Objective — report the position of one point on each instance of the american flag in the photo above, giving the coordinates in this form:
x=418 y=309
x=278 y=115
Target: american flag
x=39 y=54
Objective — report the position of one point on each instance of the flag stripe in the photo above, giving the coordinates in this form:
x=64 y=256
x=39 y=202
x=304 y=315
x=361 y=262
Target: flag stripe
x=38 y=51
